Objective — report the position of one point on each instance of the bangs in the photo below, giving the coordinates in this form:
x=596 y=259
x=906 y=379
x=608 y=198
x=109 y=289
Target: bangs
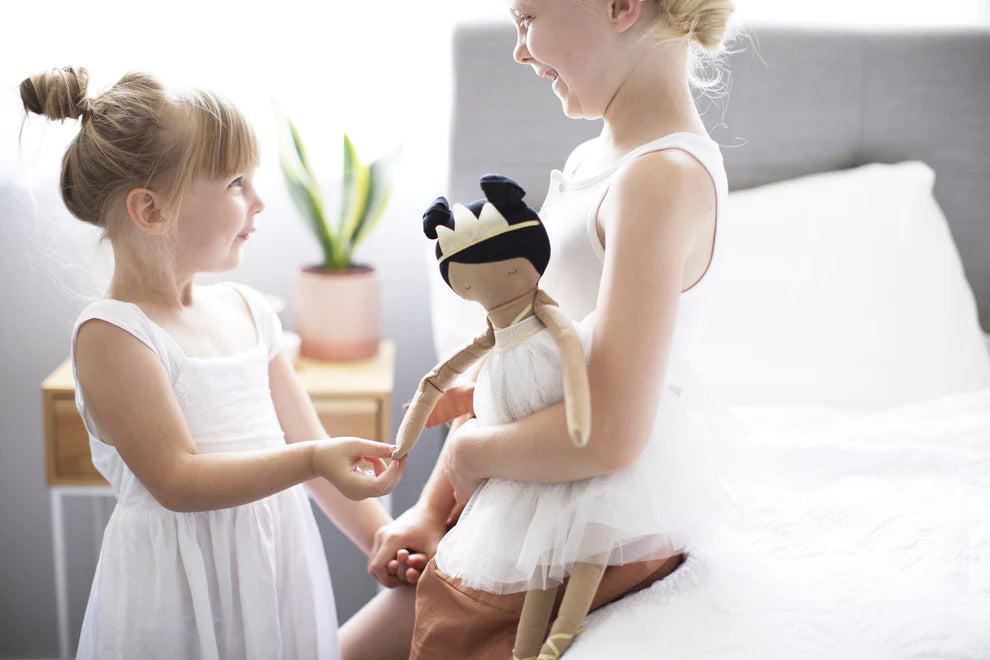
x=222 y=141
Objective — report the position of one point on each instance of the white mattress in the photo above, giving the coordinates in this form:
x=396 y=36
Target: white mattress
x=868 y=537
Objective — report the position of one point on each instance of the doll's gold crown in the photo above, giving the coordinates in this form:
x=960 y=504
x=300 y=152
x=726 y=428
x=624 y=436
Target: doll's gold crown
x=470 y=230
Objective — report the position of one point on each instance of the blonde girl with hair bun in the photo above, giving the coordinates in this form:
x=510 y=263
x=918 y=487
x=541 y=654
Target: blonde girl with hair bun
x=195 y=415
x=634 y=219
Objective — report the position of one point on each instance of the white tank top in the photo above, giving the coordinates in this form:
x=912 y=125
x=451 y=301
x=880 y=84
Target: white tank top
x=570 y=213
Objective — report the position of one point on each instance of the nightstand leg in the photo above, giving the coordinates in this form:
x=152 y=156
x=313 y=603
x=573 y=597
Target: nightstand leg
x=61 y=580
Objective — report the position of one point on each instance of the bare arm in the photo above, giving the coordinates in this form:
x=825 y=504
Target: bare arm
x=358 y=520
x=129 y=395
x=651 y=219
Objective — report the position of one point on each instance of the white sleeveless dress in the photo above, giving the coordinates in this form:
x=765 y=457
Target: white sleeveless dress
x=514 y=536
x=245 y=582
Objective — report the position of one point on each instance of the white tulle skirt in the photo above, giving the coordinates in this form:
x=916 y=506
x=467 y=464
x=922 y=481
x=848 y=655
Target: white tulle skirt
x=514 y=536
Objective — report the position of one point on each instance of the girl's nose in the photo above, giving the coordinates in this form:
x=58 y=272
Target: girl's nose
x=520 y=53
x=259 y=204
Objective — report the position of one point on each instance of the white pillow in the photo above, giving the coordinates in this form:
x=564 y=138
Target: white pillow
x=842 y=289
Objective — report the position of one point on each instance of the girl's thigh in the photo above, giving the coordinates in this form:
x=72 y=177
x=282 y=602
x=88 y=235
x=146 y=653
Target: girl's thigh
x=382 y=629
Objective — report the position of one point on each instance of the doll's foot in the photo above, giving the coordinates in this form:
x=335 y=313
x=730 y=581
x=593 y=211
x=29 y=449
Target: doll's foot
x=557 y=644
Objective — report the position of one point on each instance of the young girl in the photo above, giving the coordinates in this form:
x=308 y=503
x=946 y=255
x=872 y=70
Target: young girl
x=195 y=417
x=633 y=221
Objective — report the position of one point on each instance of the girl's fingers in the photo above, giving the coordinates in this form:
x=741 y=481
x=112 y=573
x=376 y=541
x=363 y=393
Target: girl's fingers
x=417 y=560
x=376 y=465
x=370 y=448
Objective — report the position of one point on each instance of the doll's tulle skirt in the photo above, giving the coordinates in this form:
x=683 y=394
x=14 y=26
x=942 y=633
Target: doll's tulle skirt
x=515 y=536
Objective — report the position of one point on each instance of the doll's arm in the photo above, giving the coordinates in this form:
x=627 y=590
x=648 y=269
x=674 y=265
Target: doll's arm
x=432 y=387
x=577 y=393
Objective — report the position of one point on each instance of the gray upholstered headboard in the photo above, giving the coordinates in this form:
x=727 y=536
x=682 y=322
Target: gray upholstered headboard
x=802 y=101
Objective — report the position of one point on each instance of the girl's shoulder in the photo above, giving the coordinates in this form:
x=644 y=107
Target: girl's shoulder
x=666 y=194
x=120 y=319
x=122 y=330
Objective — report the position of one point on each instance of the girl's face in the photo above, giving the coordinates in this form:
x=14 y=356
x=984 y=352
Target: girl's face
x=565 y=42
x=494 y=283
x=216 y=218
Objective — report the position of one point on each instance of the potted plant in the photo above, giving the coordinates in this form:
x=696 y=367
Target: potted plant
x=336 y=303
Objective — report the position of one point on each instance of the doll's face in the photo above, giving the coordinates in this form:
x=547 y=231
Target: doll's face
x=495 y=283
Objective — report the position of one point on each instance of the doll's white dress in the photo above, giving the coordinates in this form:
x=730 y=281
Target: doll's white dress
x=249 y=581
x=514 y=536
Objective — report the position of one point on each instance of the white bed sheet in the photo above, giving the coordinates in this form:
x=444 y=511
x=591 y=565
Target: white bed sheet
x=868 y=537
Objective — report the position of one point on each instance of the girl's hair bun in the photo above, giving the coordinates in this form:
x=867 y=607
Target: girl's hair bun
x=57 y=94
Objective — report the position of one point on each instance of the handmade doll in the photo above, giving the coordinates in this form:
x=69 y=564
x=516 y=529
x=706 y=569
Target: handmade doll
x=494 y=251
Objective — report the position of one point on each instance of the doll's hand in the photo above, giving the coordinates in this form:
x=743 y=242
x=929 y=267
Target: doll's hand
x=456 y=467
x=419 y=528
x=356 y=466
x=455 y=402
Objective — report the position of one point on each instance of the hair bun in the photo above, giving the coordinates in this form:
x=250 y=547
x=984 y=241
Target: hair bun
x=57 y=94
x=438 y=214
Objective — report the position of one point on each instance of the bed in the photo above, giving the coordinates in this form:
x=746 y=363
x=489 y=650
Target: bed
x=860 y=384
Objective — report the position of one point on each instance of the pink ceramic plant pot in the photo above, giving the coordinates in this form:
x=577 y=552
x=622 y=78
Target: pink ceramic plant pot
x=338 y=313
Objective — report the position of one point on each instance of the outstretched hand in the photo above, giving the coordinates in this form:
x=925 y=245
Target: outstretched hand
x=357 y=467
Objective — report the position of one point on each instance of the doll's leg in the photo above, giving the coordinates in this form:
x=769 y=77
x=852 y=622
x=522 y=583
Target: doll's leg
x=533 y=622
x=581 y=588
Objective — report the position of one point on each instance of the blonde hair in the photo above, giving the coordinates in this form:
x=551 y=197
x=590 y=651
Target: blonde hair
x=704 y=22
x=137 y=135
x=705 y=25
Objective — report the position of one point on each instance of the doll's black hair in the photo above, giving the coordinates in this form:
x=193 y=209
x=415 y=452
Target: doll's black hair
x=531 y=243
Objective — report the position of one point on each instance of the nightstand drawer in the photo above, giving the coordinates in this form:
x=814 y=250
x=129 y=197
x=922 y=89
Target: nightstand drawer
x=70 y=461
x=358 y=417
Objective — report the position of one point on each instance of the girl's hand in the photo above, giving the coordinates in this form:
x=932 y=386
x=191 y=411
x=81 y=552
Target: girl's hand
x=357 y=467
x=457 y=468
x=455 y=402
x=405 y=545
x=408 y=566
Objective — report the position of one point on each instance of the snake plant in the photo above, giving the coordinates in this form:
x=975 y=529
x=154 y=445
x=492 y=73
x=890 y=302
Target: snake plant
x=364 y=193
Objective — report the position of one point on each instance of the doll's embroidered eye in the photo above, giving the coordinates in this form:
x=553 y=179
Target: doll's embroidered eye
x=515 y=272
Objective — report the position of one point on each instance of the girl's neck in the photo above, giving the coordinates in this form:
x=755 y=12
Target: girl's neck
x=652 y=101
x=149 y=281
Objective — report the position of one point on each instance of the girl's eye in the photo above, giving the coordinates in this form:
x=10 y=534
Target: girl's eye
x=238 y=182
x=522 y=20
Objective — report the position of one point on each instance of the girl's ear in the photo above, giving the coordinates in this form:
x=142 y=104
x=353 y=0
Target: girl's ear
x=145 y=209
x=623 y=14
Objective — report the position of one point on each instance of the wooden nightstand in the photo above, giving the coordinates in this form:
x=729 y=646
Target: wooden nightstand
x=351 y=398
